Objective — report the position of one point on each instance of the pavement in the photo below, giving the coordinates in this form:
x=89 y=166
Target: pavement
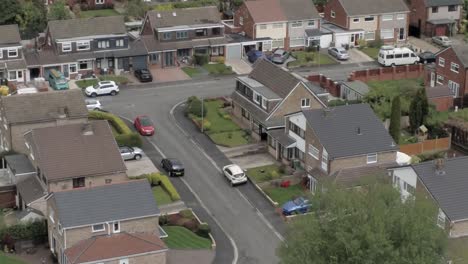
x=201 y=256
x=239 y=66
x=245 y=227
x=139 y=167
x=171 y=208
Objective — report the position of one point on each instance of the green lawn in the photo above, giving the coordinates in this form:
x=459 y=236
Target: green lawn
x=182 y=238
x=264 y=173
x=98 y=13
x=304 y=58
x=457 y=250
x=282 y=195
x=85 y=83
x=91 y=82
x=230 y=139
x=371 y=52
x=9 y=260
x=218 y=122
x=218 y=68
x=161 y=196
x=191 y=71
x=2 y=223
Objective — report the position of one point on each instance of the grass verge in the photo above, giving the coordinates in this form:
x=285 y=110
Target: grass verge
x=182 y=238
x=191 y=71
x=304 y=58
x=282 y=195
x=371 y=52
x=218 y=69
x=230 y=139
x=264 y=173
x=161 y=196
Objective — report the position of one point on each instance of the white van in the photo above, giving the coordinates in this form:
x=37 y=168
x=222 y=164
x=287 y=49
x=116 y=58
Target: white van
x=390 y=56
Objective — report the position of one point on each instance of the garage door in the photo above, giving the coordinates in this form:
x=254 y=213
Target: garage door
x=325 y=40
x=139 y=62
x=341 y=40
x=233 y=52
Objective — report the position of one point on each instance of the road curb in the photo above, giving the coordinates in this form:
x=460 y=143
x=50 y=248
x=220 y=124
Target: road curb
x=275 y=204
x=213 y=242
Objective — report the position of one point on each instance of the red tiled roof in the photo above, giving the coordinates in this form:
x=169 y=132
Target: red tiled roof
x=114 y=246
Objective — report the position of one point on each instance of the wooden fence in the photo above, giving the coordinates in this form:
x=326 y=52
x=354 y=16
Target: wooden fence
x=438 y=144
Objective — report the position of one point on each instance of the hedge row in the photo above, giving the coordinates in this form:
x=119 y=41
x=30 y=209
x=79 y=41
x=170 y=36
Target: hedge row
x=32 y=230
x=160 y=179
x=126 y=136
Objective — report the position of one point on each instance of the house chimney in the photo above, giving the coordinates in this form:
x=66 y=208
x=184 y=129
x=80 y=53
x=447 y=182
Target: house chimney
x=439 y=166
x=87 y=129
x=326 y=111
x=158 y=15
x=62 y=112
x=358 y=130
x=174 y=14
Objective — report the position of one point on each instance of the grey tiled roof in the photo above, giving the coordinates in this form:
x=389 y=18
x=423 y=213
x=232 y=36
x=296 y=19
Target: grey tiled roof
x=430 y=3
x=259 y=88
x=299 y=9
x=184 y=17
x=337 y=130
x=39 y=107
x=279 y=134
x=9 y=35
x=462 y=53
x=358 y=86
x=19 y=164
x=114 y=202
x=66 y=151
x=438 y=91
x=258 y=113
x=373 y=7
x=448 y=186
x=30 y=188
x=82 y=27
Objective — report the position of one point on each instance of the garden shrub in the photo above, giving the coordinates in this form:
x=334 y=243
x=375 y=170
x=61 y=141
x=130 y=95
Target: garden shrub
x=32 y=230
x=206 y=125
x=133 y=140
x=204 y=230
x=362 y=43
x=156 y=179
x=274 y=174
x=227 y=116
x=187 y=213
x=163 y=220
x=191 y=224
x=195 y=107
x=201 y=59
x=375 y=43
x=431 y=155
x=115 y=121
x=220 y=60
x=173 y=219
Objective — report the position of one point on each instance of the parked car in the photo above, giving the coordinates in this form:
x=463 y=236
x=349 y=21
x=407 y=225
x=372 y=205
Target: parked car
x=391 y=56
x=234 y=174
x=427 y=57
x=101 y=88
x=253 y=55
x=300 y=205
x=143 y=75
x=173 y=167
x=93 y=104
x=279 y=56
x=339 y=53
x=129 y=153
x=444 y=41
x=144 y=125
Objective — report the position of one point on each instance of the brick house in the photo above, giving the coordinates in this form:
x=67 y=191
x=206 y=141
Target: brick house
x=387 y=20
x=12 y=64
x=451 y=69
x=333 y=143
x=441 y=96
x=116 y=223
x=274 y=24
x=262 y=98
x=172 y=35
x=91 y=4
x=435 y=17
x=22 y=113
x=443 y=182
x=85 y=45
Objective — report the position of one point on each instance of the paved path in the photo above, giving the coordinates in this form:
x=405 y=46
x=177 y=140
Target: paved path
x=171 y=208
x=190 y=256
x=239 y=66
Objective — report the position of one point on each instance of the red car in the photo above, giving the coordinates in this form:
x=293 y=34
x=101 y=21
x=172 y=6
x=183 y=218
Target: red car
x=144 y=125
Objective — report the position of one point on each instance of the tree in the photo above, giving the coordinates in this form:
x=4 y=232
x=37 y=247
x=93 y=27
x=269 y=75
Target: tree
x=419 y=109
x=8 y=11
x=424 y=104
x=136 y=9
x=59 y=11
x=33 y=18
x=370 y=225
x=395 y=119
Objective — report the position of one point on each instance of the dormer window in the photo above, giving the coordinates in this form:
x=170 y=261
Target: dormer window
x=102 y=44
x=257 y=98
x=12 y=53
x=201 y=32
x=119 y=43
x=167 y=35
x=66 y=47
x=305 y=102
x=216 y=31
x=83 y=45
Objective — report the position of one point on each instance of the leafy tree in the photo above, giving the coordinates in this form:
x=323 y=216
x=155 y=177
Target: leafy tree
x=424 y=104
x=8 y=11
x=33 y=18
x=59 y=11
x=395 y=119
x=136 y=8
x=419 y=109
x=370 y=225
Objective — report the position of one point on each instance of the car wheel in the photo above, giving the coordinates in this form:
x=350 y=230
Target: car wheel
x=138 y=157
x=232 y=184
x=392 y=65
x=113 y=93
x=97 y=109
x=93 y=95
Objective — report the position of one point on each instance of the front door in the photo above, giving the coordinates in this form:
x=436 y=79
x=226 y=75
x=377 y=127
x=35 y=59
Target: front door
x=168 y=59
x=432 y=79
x=401 y=34
x=66 y=70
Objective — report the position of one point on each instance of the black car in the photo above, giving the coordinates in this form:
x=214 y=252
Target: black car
x=427 y=57
x=143 y=75
x=173 y=166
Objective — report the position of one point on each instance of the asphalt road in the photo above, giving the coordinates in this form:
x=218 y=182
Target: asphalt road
x=242 y=232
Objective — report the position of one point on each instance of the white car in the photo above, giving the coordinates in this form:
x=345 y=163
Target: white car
x=234 y=174
x=93 y=104
x=101 y=88
x=444 y=41
x=129 y=153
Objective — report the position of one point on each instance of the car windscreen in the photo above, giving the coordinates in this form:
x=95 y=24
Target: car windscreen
x=298 y=201
x=145 y=122
x=238 y=175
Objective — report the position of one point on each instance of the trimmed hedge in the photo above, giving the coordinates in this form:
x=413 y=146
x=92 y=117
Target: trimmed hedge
x=160 y=179
x=126 y=136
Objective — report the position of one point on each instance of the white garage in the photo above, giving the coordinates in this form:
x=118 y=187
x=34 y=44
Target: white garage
x=341 y=36
x=233 y=51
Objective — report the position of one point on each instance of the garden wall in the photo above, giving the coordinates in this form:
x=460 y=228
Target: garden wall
x=426 y=146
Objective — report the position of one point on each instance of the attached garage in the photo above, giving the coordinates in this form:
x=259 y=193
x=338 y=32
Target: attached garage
x=341 y=40
x=325 y=40
x=139 y=62
x=234 y=51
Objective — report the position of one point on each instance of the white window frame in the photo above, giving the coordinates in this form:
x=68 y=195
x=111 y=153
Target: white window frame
x=296 y=24
x=119 y=42
x=441 y=62
x=300 y=42
x=51 y=215
x=310 y=23
x=76 y=67
x=262 y=26
x=1 y=53
x=83 y=43
x=98 y=230
x=241 y=20
x=356 y=20
x=387 y=17
x=370 y=159
x=255 y=96
x=113 y=227
x=264 y=103
x=386 y=33
x=313 y=151
x=453 y=66
x=373 y=19
x=123 y=261
x=277 y=42
x=16 y=75
x=60 y=229
x=454 y=87
x=441 y=78
x=368 y=32
x=277 y=25
x=66 y=46
x=332 y=14
x=14 y=50
x=103 y=44
x=400 y=16
x=441 y=219
x=305 y=102
x=100 y=2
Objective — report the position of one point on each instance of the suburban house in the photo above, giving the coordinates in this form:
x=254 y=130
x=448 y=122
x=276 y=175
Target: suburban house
x=173 y=36
x=24 y=112
x=451 y=69
x=441 y=97
x=331 y=143
x=12 y=64
x=435 y=17
x=86 y=45
x=444 y=181
x=353 y=90
x=91 y=4
x=369 y=20
x=269 y=92
x=116 y=223
x=271 y=24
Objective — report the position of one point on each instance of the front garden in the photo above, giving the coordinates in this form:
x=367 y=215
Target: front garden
x=202 y=66
x=118 y=79
x=217 y=122
x=370 y=48
x=4 y=259
x=164 y=191
x=122 y=133
x=310 y=58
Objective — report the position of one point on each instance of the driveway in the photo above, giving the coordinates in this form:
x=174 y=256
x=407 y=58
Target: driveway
x=421 y=45
x=139 y=167
x=357 y=56
x=161 y=75
x=239 y=66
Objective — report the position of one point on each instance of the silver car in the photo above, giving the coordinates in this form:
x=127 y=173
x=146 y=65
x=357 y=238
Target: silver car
x=93 y=104
x=443 y=41
x=279 y=56
x=129 y=153
x=338 y=53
